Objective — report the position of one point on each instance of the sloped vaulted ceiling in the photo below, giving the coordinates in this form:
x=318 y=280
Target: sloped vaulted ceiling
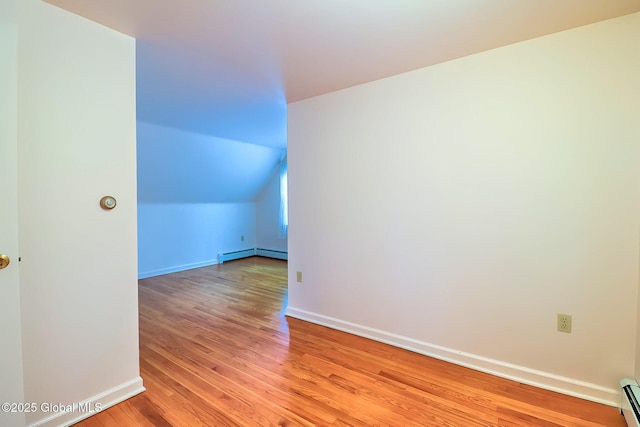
x=229 y=67
x=185 y=167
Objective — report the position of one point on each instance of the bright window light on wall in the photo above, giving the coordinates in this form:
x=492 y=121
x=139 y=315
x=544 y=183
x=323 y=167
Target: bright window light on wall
x=284 y=205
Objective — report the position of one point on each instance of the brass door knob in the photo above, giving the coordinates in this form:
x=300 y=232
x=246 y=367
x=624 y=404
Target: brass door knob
x=4 y=261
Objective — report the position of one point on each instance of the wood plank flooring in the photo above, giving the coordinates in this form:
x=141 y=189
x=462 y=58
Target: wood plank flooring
x=217 y=350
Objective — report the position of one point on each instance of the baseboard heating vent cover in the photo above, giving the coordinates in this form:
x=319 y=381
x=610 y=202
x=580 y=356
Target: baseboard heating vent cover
x=630 y=407
x=230 y=256
x=270 y=253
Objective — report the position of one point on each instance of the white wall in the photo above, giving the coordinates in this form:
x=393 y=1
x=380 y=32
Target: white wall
x=268 y=215
x=196 y=197
x=76 y=143
x=175 y=166
x=456 y=209
x=179 y=236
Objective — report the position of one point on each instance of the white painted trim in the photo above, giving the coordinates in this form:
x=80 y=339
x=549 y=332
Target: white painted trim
x=244 y=253
x=106 y=399
x=271 y=253
x=175 y=269
x=522 y=374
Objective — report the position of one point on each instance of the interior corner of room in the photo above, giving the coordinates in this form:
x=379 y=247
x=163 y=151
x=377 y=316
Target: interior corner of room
x=468 y=210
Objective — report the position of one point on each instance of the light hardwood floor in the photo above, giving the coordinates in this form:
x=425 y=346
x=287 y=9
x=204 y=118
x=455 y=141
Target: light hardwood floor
x=217 y=350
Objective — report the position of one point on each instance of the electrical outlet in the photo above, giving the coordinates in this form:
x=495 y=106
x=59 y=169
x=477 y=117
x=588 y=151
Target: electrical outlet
x=564 y=323
x=299 y=276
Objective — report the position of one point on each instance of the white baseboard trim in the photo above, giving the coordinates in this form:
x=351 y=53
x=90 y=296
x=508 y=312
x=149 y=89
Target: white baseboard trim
x=541 y=379
x=103 y=400
x=230 y=256
x=175 y=269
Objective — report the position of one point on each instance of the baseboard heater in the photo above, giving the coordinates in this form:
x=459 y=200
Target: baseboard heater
x=630 y=406
x=269 y=253
x=230 y=256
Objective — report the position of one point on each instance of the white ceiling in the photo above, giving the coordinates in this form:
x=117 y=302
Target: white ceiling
x=229 y=67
